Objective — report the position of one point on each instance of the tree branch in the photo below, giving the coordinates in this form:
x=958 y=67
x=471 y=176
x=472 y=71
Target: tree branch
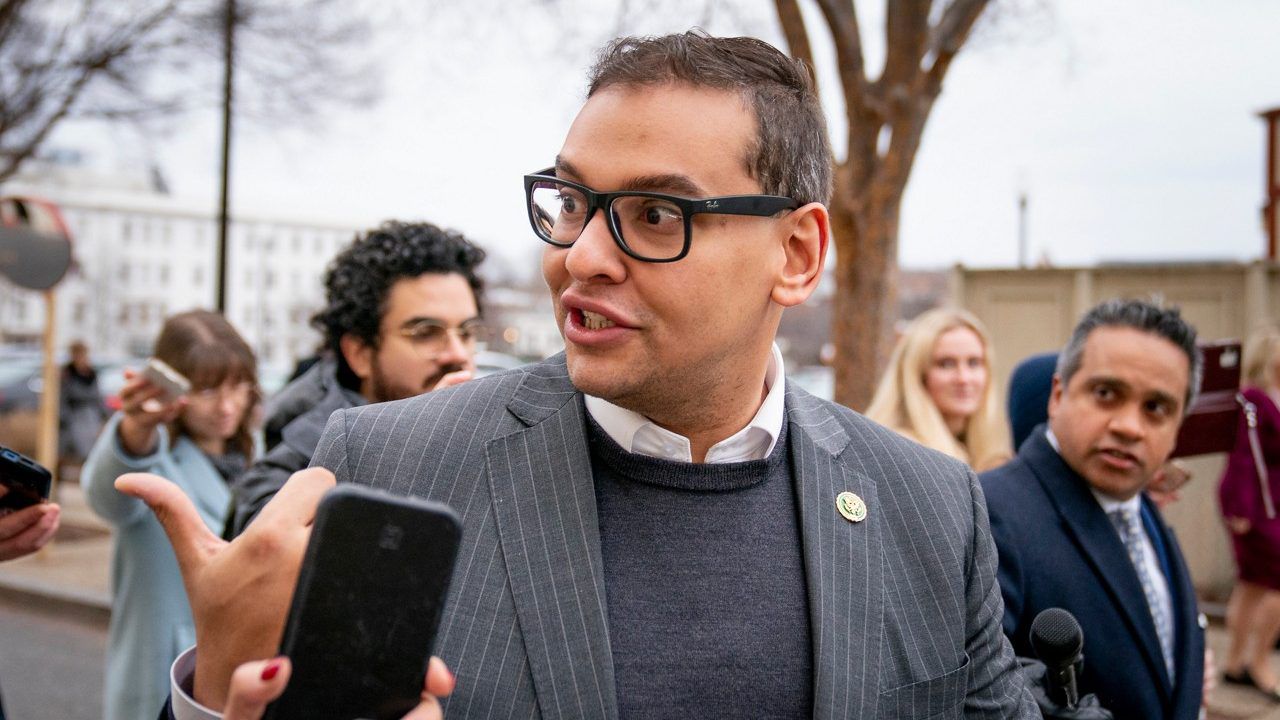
x=797 y=36
x=948 y=37
x=906 y=32
x=842 y=19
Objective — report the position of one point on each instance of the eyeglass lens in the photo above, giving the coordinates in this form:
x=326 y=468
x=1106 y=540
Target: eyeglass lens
x=650 y=227
x=433 y=337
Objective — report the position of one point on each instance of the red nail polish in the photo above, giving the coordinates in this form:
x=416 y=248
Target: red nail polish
x=271 y=670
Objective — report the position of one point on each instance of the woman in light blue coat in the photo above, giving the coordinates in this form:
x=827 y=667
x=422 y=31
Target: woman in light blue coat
x=199 y=441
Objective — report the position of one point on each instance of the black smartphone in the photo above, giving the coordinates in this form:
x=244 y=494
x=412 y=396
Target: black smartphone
x=26 y=481
x=365 y=610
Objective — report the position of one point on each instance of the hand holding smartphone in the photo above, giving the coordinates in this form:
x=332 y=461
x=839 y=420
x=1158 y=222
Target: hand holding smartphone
x=25 y=481
x=27 y=519
x=171 y=384
x=365 y=610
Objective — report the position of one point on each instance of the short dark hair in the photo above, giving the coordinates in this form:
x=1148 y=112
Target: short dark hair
x=1140 y=315
x=791 y=155
x=358 y=279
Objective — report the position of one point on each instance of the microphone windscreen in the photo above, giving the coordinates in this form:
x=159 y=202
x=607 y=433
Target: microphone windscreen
x=1056 y=637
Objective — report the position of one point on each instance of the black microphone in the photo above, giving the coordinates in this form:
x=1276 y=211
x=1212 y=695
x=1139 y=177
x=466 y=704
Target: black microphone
x=1058 y=641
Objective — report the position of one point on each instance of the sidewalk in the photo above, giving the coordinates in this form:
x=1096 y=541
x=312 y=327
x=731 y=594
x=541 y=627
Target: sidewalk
x=75 y=571
x=76 y=567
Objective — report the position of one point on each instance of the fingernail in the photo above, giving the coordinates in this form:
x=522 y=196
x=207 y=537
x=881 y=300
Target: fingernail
x=271 y=670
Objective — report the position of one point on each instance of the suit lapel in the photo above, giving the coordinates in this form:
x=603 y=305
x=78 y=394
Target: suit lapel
x=545 y=507
x=1100 y=544
x=843 y=562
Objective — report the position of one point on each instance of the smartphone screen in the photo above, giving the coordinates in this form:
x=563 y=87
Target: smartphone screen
x=366 y=607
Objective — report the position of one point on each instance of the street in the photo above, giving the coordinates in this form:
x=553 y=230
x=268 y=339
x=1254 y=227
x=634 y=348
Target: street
x=51 y=659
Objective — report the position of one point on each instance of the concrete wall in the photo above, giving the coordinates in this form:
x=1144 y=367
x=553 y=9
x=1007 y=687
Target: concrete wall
x=1033 y=310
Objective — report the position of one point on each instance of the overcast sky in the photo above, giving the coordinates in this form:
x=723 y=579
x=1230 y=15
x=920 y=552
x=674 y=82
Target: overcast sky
x=1132 y=126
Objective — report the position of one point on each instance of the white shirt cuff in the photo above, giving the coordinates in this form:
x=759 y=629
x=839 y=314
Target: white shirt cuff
x=181 y=677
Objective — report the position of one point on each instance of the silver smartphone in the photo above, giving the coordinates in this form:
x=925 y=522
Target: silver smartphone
x=172 y=382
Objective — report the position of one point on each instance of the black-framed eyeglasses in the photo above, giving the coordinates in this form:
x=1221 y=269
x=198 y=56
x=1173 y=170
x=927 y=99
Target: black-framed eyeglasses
x=648 y=226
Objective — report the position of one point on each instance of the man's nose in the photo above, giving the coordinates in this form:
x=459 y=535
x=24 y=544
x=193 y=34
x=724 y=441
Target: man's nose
x=595 y=255
x=1126 y=422
x=455 y=350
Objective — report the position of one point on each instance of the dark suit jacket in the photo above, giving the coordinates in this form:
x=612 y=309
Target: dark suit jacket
x=1058 y=549
x=296 y=417
x=904 y=605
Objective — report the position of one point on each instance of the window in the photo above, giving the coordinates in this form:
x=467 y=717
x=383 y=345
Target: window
x=164 y=274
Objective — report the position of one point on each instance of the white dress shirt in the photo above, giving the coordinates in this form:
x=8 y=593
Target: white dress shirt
x=636 y=434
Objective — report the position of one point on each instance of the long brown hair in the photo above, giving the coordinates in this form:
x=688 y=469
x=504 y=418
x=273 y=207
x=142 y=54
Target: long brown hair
x=204 y=347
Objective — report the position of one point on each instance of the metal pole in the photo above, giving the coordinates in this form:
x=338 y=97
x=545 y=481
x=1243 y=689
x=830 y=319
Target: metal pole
x=224 y=220
x=1270 y=209
x=1022 y=229
x=47 y=423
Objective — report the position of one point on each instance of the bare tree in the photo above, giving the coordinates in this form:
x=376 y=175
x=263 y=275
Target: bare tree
x=66 y=60
x=886 y=119
x=141 y=60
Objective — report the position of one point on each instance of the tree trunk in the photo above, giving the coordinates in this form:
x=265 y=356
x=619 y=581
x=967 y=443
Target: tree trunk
x=866 y=296
x=869 y=183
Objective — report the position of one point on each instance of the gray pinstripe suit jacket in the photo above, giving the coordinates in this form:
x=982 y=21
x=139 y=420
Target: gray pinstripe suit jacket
x=905 y=608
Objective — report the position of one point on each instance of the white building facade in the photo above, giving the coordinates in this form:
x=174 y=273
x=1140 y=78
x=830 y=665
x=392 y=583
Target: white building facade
x=141 y=255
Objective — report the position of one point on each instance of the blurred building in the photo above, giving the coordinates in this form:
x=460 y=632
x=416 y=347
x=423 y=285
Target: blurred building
x=141 y=254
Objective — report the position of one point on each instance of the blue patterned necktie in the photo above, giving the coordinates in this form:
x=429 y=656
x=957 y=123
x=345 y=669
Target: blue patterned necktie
x=1129 y=525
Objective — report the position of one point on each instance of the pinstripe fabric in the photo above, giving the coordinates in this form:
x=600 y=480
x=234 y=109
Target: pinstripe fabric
x=905 y=608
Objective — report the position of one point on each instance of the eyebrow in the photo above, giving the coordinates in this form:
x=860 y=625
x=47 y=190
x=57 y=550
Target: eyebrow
x=436 y=321
x=672 y=183
x=1158 y=395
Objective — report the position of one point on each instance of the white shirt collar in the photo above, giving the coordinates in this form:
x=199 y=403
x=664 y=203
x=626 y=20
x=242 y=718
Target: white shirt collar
x=1108 y=503
x=637 y=434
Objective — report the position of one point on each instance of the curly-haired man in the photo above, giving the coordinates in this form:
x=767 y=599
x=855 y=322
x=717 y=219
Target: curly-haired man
x=402 y=304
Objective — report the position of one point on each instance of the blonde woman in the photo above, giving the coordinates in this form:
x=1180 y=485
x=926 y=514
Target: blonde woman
x=937 y=389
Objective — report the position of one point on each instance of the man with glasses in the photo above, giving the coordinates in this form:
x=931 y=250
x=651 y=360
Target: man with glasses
x=656 y=523
x=401 y=316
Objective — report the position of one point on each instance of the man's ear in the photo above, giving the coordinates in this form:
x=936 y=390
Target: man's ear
x=1055 y=396
x=805 y=254
x=358 y=354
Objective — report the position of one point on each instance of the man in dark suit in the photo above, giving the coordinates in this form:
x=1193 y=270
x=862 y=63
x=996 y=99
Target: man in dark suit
x=1075 y=530
x=657 y=523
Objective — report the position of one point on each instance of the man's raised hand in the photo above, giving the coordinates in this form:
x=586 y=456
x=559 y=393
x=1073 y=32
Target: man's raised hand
x=239 y=591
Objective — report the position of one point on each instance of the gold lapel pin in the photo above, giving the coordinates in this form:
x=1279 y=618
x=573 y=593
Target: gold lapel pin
x=851 y=507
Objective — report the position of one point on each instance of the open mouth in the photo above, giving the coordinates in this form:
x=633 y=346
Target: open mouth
x=1118 y=458
x=595 y=321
